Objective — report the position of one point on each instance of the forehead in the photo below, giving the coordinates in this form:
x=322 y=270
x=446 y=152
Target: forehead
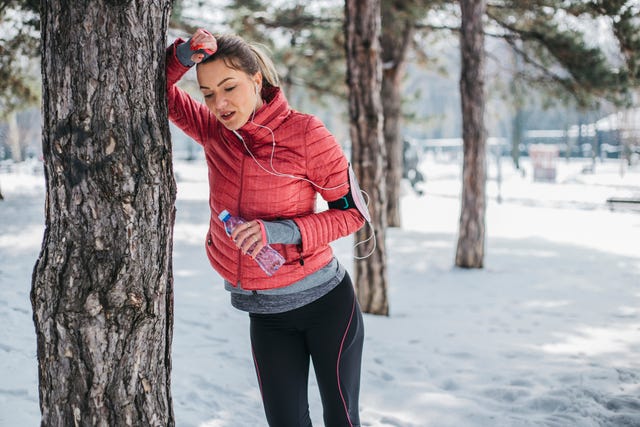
x=211 y=73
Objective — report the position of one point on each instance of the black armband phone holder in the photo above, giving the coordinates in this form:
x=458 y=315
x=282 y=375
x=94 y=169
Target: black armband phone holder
x=348 y=201
x=343 y=203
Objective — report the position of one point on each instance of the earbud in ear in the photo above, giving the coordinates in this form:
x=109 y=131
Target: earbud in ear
x=257 y=89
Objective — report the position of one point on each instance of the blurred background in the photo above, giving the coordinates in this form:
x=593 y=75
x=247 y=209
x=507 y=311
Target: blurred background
x=562 y=74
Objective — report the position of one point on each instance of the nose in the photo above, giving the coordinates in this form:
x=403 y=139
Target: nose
x=221 y=103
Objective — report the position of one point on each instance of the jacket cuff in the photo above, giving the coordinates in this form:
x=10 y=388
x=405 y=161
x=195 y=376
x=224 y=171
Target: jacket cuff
x=263 y=233
x=184 y=52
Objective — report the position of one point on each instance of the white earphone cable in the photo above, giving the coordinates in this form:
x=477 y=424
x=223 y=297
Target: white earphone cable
x=274 y=172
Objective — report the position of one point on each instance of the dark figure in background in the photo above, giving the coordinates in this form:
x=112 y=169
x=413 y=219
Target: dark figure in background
x=411 y=160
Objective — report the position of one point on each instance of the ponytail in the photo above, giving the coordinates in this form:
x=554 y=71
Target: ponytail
x=268 y=70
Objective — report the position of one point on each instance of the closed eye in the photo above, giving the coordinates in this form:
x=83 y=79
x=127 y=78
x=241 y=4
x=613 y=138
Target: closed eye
x=229 y=89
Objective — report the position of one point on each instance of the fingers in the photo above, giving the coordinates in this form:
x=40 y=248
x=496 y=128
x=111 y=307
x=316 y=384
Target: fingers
x=254 y=248
x=202 y=40
x=248 y=238
x=197 y=57
x=242 y=230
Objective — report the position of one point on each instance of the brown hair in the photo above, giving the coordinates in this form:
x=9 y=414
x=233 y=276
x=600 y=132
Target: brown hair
x=243 y=56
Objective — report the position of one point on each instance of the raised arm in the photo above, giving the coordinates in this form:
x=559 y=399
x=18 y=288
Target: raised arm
x=193 y=117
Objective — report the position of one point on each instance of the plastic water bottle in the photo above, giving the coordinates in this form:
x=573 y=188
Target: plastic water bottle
x=268 y=258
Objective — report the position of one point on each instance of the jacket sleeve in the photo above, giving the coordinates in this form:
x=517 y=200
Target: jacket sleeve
x=328 y=168
x=194 y=118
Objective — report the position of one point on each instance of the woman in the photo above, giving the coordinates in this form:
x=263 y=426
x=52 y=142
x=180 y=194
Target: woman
x=266 y=164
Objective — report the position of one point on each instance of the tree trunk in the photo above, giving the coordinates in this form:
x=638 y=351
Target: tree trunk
x=517 y=130
x=13 y=137
x=470 y=250
x=102 y=287
x=364 y=76
x=397 y=30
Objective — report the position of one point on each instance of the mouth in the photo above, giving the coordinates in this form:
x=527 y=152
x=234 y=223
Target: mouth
x=227 y=116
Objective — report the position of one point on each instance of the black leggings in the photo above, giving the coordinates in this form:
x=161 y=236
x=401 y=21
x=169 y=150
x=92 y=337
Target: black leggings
x=331 y=332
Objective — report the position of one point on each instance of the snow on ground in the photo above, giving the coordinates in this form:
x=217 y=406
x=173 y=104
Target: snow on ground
x=547 y=334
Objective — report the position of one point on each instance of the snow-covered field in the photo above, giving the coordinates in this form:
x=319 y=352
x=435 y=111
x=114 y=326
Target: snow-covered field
x=547 y=334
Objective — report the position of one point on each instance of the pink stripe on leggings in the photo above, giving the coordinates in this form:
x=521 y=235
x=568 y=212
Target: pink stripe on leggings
x=353 y=308
x=255 y=362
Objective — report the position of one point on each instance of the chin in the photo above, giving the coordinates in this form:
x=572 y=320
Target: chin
x=234 y=124
x=231 y=126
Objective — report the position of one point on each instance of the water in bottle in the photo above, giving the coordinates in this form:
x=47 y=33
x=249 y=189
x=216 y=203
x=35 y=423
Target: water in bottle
x=268 y=258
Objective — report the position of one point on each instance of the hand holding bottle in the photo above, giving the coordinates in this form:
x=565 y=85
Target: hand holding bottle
x=248 y=238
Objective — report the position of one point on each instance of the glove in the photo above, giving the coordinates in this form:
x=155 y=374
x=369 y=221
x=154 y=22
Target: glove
x=186 y=50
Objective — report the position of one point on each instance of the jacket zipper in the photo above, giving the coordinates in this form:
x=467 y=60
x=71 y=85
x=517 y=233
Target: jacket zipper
x=239 y=284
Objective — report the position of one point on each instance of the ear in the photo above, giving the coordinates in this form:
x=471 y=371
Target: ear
x=257 y=80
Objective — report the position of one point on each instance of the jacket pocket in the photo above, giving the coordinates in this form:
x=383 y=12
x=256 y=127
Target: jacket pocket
x=291 y=253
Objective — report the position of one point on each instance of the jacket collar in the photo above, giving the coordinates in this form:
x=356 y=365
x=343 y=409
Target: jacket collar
x=275 y=109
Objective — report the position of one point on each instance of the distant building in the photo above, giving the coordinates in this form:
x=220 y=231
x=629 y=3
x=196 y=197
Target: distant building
x=623 y=129
x=613 y=136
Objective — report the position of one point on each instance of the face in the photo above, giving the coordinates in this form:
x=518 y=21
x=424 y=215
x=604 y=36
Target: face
x=230 y=94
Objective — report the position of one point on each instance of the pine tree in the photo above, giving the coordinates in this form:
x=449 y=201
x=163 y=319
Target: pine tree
x=470 y=250
x=364 y=79
x=557 y=55
x=398 y=26
x=400 y=21
x=102 y=286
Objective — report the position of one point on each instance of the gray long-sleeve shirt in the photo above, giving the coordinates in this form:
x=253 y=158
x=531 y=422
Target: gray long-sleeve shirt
x=296 y=295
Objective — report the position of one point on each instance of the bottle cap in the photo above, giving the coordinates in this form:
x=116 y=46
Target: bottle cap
x=224 y=215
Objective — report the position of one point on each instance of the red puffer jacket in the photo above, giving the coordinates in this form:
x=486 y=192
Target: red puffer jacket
x=248 y=187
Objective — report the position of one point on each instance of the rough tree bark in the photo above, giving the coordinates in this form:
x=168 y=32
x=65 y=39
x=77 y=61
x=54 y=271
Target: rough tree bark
x=368 y=156
x=397 y=30
x=470 y=250
x=102 y=287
